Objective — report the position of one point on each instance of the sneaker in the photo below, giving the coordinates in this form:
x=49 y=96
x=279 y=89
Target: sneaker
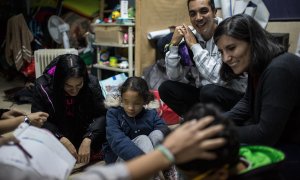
x=171 y=173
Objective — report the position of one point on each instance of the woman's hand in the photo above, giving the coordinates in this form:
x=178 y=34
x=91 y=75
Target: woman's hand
x=67 y=143
x=12 y=114
x=38 y=118
x=192 y=140
x=84 y=151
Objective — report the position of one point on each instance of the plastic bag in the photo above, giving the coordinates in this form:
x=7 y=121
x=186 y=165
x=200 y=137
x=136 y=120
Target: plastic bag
x=111 y=84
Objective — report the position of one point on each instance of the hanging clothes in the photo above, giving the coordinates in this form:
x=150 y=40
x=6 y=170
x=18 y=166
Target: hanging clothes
x=18 y=39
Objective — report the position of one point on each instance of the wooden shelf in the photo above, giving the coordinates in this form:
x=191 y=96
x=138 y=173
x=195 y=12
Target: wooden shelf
x=129 y=46
x=113 y=45
x=110 y=68
x=114 y=24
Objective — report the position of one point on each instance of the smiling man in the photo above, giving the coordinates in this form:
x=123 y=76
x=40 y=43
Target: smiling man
x=178 y=92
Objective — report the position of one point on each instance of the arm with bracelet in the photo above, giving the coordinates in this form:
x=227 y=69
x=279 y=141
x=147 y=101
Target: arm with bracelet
x=9 y=124
x=189 y=141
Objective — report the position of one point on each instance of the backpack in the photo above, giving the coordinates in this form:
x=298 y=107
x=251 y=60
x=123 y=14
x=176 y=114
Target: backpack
x=165 y=112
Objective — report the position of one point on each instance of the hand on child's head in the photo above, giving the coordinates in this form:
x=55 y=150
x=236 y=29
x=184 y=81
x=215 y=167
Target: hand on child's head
x=220 y=144
x=192 y=140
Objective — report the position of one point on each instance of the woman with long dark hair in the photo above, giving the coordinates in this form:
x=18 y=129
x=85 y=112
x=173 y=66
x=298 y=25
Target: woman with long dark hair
x=74 y=102
x=269 y=113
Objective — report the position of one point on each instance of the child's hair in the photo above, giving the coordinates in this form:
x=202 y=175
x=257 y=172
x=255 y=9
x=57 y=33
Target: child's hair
x=139 y=85
x=227 y=154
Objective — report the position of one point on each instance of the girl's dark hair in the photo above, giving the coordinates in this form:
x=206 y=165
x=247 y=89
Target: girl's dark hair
x=263 y=45
x=227 y=154
x=67 y=66
x=211 y=3
x=139 y=85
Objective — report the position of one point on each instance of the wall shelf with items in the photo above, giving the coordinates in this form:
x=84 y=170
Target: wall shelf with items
x=112 y=35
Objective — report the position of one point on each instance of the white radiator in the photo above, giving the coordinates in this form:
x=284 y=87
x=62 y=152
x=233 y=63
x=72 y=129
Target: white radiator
x=43 y=57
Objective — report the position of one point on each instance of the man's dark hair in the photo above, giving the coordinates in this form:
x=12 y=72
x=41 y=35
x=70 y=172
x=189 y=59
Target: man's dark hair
x=211 y=3
x=227 y=154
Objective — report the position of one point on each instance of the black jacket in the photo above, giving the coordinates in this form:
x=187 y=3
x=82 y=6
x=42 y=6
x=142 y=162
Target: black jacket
x=274 y=107
x=89 y=119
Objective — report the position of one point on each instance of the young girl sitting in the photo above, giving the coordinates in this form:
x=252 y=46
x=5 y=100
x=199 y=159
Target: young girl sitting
x=131 y=129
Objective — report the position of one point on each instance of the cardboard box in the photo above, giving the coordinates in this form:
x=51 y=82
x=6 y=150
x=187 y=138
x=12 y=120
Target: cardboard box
x=109 y=34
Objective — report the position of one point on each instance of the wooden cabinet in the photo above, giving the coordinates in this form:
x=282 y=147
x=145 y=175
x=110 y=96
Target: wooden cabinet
x=153 y=15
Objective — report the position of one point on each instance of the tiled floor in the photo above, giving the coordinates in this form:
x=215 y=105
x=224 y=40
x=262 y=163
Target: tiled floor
x=4 y=103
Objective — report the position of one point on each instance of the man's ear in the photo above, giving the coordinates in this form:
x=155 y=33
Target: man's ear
x=215 y=13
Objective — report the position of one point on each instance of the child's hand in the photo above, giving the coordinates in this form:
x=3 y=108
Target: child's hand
x=84 y=151
x=67 y=143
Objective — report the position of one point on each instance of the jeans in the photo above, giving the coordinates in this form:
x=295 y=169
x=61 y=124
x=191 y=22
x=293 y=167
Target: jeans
x=147 y=143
